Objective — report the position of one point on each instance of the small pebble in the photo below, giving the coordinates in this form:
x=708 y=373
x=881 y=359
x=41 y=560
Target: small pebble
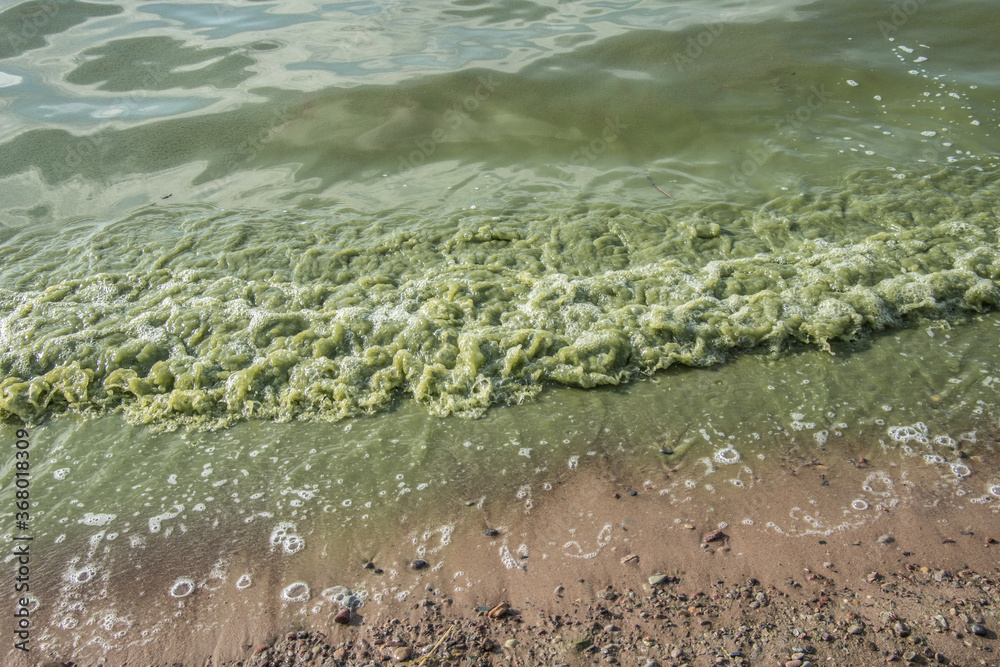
x=418 y=564
x=343 y=616
x=885 y=539
x=979 y=630
x=491 y=532
x=658 y=579
x=855 y=630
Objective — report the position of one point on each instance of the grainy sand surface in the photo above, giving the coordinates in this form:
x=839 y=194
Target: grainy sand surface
x=819 y=558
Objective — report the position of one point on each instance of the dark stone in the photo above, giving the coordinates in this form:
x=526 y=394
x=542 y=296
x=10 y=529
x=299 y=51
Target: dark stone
x=418 y=564
x=343 y=616
x=491 y=532
x=979 y=630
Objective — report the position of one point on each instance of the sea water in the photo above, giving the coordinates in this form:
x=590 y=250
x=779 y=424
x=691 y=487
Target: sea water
x=283 y=275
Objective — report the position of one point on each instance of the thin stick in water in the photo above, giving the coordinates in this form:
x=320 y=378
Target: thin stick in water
x=650 y=179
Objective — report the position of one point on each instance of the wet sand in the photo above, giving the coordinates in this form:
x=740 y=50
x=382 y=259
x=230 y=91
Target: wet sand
x=816 y=557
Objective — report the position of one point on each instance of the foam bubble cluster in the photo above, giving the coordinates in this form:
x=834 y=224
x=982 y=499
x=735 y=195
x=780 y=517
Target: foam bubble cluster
x=914 y=433
x=182 y=588
x=727 y=456
x=296 y=592
x=342 y=596
x=285 y=536
x=81 y=575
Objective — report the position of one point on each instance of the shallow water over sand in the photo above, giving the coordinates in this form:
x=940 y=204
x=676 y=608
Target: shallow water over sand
x=286 y=502
x=208 y=220
x=275 y=281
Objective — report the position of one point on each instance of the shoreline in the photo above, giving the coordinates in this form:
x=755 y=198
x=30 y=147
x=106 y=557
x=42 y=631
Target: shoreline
x=574 y=562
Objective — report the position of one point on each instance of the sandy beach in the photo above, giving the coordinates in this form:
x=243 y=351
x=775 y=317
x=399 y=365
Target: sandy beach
x=816 y=558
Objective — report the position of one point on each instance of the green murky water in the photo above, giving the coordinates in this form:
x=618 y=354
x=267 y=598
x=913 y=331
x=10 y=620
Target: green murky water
x=224 y=226
x=209 y=217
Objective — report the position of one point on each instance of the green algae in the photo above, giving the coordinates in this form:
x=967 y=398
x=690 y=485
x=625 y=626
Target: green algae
x=205 y=318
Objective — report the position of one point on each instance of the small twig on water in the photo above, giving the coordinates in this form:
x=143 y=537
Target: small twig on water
x=650 y=179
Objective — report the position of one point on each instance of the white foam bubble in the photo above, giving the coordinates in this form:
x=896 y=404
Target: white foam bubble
x=296 y=592
x=859 y=505
x=293 y=544
x=182 y=588
x=916 y=432
x=945 y=441
x=155 y=523
x=285 y=535
x=508 y=560
x=81 y=575
x=884 y=479
x=244 y=582
x=90 y=519
x=574 y=461
x=727 y=456
x=61 y=473
x=960 y=470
